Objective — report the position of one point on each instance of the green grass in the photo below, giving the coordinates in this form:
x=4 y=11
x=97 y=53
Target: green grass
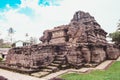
x=112 y=73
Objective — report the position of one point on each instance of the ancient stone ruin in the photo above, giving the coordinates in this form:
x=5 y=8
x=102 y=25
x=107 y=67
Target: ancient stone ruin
x=81 y=43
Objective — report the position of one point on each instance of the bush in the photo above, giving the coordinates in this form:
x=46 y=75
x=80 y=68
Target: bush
x=1 y=59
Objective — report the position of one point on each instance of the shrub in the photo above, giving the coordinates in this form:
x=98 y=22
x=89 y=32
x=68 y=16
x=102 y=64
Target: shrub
x=1 y=59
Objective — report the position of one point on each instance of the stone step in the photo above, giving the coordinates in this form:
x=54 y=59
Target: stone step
x=57 y=62
x=47 y=70
x=54 y=64
x=63 y=66
x=60 y=58
x=94 y=65
x=88 y=65
x=78 y=66
x=52 y=68
x=40 y=74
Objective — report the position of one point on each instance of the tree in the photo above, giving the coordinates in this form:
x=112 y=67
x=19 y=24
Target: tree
x=118 y=25
x=11 y=31
x=116 y=35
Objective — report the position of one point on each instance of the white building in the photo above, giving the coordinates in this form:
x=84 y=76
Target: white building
x=20 y=43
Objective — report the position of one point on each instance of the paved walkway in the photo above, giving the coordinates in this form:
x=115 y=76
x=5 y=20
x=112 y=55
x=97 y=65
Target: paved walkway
x=105 y=64
x=17 y=76
x=118 y=59
x=102 y=66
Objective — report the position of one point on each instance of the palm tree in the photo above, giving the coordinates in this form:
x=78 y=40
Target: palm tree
x=26 y=37
x=11 y=31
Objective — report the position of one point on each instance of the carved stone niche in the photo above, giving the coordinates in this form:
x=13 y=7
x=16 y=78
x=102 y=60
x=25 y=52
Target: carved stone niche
x=86 y=54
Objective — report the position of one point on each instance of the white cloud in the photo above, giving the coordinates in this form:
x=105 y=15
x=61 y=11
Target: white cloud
x=51 y=16
x=29 y=3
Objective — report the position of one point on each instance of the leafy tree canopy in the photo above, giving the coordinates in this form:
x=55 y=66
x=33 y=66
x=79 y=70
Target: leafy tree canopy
x=116 y=35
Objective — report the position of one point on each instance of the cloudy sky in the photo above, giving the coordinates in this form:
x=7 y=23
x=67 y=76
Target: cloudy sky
x=34 y=16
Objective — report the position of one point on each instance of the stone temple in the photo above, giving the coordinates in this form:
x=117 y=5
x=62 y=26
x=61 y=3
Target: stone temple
x=81 y=43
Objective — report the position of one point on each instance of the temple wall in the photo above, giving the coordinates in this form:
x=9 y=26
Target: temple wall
x=98 y=54
x=58 y=40
x=113 y=52
x=30 y=57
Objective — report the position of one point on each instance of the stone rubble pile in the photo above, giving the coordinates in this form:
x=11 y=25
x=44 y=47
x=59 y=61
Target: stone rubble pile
x=82 y=42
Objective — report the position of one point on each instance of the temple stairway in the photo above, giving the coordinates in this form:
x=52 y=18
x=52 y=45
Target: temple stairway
x=58 y=64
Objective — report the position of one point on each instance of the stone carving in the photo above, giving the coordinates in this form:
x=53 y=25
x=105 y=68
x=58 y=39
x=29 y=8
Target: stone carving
x=81 y=42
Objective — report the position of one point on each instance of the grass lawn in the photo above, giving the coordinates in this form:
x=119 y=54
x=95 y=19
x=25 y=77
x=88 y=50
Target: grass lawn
x=112 y=73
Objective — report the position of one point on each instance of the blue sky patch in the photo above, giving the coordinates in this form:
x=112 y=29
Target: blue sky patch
x=12 y=3
x=27 y=11
x=49 y=2
x=15 y=3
